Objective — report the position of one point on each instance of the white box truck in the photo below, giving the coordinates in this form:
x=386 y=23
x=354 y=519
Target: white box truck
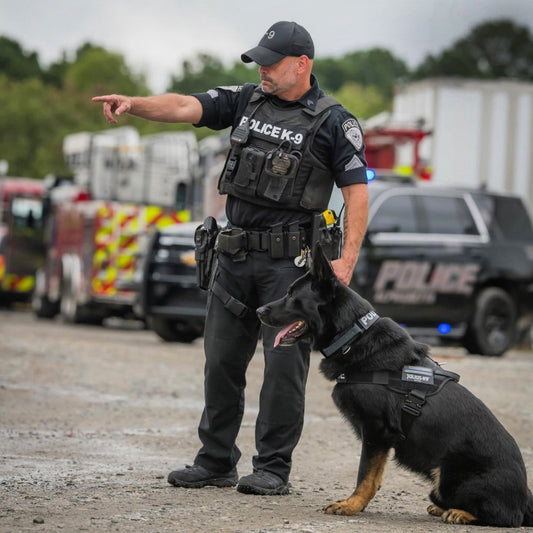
x=482 y=131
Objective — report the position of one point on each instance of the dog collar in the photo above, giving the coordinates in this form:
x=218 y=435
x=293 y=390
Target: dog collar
x=343 y=342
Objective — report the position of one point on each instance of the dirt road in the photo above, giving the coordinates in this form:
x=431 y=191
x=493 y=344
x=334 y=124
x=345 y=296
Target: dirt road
x=92 y=420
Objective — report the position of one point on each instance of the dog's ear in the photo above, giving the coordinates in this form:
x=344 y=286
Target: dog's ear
x=321 y=268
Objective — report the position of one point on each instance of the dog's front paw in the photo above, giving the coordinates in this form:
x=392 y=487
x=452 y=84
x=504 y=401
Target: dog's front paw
x=344 y=507
x=435 y=510
x=458 y=516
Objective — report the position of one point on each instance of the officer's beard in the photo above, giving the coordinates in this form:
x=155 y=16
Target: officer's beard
x=268 y=85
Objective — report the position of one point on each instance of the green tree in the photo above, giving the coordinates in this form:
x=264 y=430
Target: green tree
x=330 y=72
x=205 y=71
x=30 y=121
x=54 y=74
x=494 y=49
x=375 y=67
x=363 y=102
x=15 y=62
x=98 y=71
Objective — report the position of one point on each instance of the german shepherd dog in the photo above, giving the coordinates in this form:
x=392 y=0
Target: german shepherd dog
x=396 y=397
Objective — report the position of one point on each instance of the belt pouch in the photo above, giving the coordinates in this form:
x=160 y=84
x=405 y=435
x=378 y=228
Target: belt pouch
x=232 y=242
x=294 y=247
x=276 y=242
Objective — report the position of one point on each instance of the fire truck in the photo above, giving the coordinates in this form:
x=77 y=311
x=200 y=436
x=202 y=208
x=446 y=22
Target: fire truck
x=395 y=146
x=97 y=226
x=20 y=237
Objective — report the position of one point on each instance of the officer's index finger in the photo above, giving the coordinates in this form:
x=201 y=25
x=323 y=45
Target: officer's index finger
x=104 y=98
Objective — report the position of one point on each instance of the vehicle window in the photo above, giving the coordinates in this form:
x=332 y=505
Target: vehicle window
x=181 y=196
x=27 y=213
x=448 y=215
x=396 y=214
x=506 y=217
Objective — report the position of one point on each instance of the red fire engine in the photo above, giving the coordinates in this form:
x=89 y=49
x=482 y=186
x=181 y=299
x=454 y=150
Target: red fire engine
x=97 y=228
x=384 y=141
x=20 y=236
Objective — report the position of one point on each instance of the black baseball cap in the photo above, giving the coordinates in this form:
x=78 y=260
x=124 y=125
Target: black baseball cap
x=282 y=39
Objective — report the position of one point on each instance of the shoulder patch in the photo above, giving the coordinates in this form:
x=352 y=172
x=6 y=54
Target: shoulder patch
x=353 y=133
x=354 y=162
x=214 y=93
x=231 y=88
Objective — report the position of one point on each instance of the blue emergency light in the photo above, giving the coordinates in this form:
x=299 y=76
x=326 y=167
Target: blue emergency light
x=370 y=174
x=444 y=328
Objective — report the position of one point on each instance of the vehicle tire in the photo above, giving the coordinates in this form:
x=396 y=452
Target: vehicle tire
x=41 y=305
x=68 y=305
x=492 y=330
x=71 y=310
x=6 y=301
x=173 y=330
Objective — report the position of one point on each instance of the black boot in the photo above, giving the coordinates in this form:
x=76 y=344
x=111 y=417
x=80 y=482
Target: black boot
x=196 y=476
x=264 y=483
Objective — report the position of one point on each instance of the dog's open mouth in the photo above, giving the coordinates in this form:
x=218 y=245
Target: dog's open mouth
x=290 y=334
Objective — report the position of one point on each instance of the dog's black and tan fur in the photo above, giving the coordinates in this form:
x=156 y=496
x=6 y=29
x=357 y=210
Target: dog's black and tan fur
x=475 y=466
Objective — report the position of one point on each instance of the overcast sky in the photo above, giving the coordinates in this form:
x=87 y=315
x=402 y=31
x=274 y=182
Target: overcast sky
x=155 y=36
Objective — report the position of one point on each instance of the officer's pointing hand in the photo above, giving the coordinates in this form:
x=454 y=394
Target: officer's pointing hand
x=114 y=104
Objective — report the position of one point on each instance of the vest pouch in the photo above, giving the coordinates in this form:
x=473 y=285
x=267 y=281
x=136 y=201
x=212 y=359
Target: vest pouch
x=277 y=180
x=226 y=177
x=319 y=185
x=249 y=168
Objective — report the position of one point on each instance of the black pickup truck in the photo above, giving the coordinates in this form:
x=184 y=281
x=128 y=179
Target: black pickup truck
x=451 y=265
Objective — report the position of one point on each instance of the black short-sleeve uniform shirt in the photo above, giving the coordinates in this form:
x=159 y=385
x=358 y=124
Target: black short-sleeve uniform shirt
x=338 y=143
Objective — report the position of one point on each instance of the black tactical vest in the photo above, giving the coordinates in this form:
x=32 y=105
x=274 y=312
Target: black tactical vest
x=271 y=163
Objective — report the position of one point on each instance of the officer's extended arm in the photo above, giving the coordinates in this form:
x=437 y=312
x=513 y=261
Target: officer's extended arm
x=355 y=221
x=160 y=108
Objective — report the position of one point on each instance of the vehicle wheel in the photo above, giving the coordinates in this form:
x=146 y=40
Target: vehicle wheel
x=492 y=330
x=71 y=310
x=40 y=303
x=173 y=330
x=43 y=307
x=5 y=301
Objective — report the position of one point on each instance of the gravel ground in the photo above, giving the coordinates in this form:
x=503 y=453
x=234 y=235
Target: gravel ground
x=92 y=420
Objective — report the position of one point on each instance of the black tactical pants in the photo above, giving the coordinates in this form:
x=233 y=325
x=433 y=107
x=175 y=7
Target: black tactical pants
x=230 y=343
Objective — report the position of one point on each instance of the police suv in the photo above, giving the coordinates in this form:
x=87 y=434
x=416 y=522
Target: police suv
x=449 y=264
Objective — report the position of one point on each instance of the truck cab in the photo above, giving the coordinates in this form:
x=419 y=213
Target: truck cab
x=21 y=237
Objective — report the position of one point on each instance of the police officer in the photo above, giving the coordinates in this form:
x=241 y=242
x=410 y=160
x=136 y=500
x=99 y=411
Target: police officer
x=290 y=143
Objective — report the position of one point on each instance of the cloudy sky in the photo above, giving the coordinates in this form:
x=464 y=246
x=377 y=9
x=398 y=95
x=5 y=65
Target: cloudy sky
x=155 y=36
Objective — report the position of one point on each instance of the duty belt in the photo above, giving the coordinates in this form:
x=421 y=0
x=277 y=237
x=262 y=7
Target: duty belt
x=280 y=241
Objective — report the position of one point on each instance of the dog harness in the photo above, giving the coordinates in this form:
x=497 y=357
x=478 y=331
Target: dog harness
x=414 y=383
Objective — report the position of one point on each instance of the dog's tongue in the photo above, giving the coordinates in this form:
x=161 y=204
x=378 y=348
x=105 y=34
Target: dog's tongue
x=283 y=332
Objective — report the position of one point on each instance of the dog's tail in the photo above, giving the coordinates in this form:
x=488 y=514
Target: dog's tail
x=528 y=515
